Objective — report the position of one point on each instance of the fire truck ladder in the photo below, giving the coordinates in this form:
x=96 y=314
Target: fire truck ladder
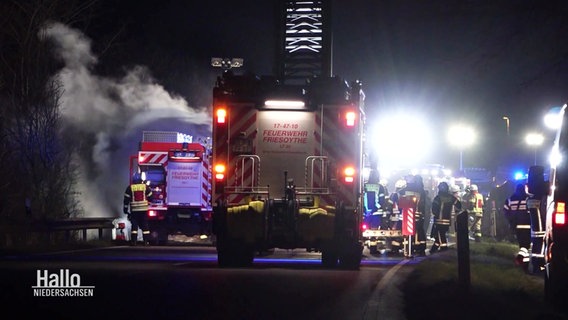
x=304 y=39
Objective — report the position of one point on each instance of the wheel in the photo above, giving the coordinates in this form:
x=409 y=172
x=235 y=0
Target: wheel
x=329 y=258
x=351 y=256
x=556 y=284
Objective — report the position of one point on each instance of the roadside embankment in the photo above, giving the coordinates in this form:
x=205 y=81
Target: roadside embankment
x=499 y=289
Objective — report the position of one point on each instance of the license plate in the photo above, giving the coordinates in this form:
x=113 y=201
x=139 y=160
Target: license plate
x=184 y=215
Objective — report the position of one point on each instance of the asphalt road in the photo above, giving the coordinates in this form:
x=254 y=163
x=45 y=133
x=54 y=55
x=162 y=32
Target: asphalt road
x=184 y=282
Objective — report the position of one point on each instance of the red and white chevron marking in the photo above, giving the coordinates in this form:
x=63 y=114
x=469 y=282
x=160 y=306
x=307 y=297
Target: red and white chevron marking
x=145 y=157
x=408 y=222
x=238 y=173
x=341 y=147
x=205 y=185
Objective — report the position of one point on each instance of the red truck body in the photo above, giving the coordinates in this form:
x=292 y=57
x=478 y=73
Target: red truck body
x=177 y=169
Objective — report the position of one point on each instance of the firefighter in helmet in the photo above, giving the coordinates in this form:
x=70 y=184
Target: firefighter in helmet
x=443 y=204
x=517 y=214
x=473 y=201
x=136 y=199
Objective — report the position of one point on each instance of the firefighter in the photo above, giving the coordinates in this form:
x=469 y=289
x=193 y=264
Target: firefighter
x=415 y=184
x=517 y=214
x=473 y=201
x=443 y=205
x=456 y=192
x=136 y=199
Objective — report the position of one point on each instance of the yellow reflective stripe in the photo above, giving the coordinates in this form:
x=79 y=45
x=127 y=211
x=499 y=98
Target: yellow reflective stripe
x=138 y=187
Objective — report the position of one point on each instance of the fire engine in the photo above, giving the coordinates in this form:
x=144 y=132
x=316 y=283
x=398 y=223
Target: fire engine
x=288 y=152
x=178 y=172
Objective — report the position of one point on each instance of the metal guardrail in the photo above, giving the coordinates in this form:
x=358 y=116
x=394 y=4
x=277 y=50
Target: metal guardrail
x=83 y=224
x=49 y=227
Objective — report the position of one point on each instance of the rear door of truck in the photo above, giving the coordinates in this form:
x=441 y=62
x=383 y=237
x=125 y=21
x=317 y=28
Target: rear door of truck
x=184 y=183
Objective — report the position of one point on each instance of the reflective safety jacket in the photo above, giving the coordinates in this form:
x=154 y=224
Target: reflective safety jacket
x=474 y=203
x=136 y=197
x=516 y=211
x=442 y=207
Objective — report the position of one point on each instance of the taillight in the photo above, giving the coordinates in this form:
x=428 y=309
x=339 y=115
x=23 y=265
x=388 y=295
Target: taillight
x=349 y=174
x=350 y=118
x=121 y=225
x=364 y=226
x=221 y=115
x=560 y=214
x=152 y=213
x=219 y=172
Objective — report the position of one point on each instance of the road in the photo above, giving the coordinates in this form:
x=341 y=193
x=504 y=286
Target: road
x=182 y=281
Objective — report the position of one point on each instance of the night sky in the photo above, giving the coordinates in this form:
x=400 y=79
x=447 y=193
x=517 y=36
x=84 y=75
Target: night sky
x=449 y=61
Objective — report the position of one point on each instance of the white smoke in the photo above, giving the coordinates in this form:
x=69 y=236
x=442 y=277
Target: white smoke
x=107 y=117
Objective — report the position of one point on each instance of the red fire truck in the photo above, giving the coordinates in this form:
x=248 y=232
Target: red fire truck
x=288 y=172
x=288 y=150
x=177 y=169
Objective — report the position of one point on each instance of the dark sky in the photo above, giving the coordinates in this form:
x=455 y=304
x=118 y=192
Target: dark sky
x=473 y=61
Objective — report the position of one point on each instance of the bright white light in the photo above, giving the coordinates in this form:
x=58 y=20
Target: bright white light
x=555 y=158
x=461 y=136
x=284 y=104
x=401 y=139
x=553 y=119
x=534 y=139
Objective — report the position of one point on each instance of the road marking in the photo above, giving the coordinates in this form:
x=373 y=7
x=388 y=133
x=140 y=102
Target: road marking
x=387 y=303
x=386 y=279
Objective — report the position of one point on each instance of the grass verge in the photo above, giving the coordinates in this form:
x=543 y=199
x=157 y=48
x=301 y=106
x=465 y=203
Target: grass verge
x=499 y=289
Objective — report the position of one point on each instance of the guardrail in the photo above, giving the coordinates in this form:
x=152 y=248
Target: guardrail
x=68 y=226
x=76 y=224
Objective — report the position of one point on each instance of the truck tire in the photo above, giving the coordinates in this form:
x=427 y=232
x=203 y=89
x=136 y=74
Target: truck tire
x=350 y=258
x=556 y=284
x=329 y=258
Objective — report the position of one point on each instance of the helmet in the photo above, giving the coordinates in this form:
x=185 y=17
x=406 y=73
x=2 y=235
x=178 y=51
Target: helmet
x=474 y=187
x=443 y=187
x=399 y=184
x=137 y=178
x=454 y=188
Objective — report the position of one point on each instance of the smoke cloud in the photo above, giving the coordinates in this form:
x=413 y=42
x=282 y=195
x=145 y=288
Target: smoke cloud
x=105 y=117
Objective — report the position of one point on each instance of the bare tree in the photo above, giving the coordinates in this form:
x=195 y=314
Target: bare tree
x=35 y=162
